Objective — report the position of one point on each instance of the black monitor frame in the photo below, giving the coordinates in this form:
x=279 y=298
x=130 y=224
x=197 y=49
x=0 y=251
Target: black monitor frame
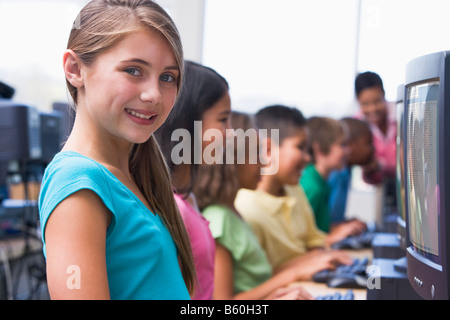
x=429 y=279
x=400 y=179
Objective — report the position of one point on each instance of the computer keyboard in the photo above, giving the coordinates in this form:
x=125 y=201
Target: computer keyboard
x=345 y=276
x=361 y=241
x=349 y=295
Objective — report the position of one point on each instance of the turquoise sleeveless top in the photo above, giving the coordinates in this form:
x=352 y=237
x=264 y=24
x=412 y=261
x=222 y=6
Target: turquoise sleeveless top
x=141 y=257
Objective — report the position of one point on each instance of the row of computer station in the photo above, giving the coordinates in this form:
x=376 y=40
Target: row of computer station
x=409 y=242
x=410 y=249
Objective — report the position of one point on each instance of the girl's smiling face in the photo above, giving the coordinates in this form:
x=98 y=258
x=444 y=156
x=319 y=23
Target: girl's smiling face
x=130 y=89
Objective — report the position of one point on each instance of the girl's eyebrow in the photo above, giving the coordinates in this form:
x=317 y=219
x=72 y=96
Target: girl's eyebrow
x=145 y=63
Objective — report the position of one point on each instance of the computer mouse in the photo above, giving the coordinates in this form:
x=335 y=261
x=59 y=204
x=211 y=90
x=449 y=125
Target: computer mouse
x=352 y=281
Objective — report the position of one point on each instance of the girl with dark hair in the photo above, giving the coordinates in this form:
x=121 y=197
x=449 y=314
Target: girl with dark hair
x=204 y=100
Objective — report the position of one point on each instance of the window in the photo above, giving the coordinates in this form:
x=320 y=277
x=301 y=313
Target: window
x=392 y=33
x=295 y=52
x=33 y=37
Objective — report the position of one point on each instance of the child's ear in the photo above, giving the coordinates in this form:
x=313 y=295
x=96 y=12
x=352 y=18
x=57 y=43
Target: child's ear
x=315 y=148
x=72 y=68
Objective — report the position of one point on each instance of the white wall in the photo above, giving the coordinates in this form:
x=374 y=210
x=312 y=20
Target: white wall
x=295 y=52
x=33 y=37
x=306 y=53
x=394 y=32
x=188 y=15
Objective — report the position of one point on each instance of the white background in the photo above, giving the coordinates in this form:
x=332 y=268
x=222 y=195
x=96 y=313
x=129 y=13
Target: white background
x=302 y=53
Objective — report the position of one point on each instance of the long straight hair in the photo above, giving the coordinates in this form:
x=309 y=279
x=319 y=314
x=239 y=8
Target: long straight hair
x=100 y=25
x=202 y=88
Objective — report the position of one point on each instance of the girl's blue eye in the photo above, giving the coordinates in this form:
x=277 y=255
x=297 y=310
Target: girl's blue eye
x=133 y=71
x=168 y=78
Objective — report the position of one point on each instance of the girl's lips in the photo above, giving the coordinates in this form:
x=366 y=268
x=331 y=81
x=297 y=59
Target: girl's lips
x=142 y=114
x=141 y=117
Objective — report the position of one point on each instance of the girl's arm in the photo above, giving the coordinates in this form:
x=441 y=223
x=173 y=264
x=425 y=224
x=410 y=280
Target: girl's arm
x=75 y=242
x=223 y=274
x=274 y=288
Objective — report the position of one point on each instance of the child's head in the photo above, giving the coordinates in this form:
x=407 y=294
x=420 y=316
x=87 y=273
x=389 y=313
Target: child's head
x=249 y=170
x=291 y=149
x=219 y=183
x=205 y=100
x=359 y=141
x=102 y=24
x=370 y=94
x=327 y=142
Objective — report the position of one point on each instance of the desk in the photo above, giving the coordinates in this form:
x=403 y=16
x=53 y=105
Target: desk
x=321 y=289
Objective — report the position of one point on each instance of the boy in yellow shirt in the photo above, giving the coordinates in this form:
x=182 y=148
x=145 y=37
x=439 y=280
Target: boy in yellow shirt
x=278 y=211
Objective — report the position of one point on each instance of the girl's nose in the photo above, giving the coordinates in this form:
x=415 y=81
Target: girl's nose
x=151 y=92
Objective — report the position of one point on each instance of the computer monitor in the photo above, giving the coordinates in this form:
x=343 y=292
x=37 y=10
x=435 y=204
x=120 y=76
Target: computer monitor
x=6 y=92
x=51 y=123
x=427 y=170
x=68 y=114
x=400 y=166
x=27 y=136
x=20 y=137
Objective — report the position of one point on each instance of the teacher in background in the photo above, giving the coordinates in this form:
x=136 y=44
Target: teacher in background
x=380 y=114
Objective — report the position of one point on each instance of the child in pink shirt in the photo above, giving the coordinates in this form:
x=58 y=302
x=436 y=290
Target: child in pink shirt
x=203 y=245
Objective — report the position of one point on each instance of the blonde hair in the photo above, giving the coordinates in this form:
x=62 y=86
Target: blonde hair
x=100 y=25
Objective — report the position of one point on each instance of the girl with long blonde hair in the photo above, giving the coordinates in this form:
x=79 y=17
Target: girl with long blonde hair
x=110 y=225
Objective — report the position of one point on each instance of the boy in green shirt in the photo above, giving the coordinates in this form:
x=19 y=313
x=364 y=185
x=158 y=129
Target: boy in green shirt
x=328 y=151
